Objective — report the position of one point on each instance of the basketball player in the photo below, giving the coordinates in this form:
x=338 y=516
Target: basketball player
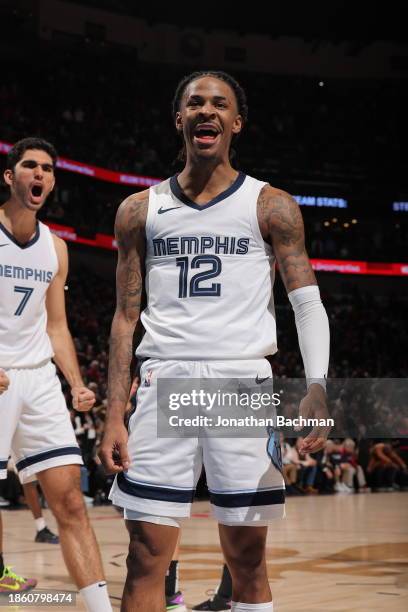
x=33 y=329
x=206 y=242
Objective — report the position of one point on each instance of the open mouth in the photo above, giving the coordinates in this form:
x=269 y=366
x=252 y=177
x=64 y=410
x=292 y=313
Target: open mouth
x=36 y=192
x=206 y=134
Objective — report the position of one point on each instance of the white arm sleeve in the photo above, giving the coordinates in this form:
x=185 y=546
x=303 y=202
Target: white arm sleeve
x=313 y=331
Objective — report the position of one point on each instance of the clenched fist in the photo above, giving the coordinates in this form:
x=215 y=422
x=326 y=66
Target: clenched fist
x=82 y=398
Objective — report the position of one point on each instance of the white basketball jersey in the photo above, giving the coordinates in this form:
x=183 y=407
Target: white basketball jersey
x=209 y=276
x=25 y=274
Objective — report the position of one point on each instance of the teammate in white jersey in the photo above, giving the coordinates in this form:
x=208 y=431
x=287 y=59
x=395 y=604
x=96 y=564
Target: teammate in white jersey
x=203 y=245
x=35 y=423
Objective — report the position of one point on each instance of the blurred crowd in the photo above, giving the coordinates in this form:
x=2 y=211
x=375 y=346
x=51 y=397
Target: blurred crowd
x=346 y=136
x=345 y=466
x=297 y=126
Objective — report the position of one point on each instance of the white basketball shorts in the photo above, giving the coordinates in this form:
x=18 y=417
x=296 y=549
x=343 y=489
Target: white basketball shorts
x=244 y=478
x=35 y=426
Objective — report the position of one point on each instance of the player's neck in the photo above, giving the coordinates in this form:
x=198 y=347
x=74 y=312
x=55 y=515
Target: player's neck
x=20 y=221
x=211 y=178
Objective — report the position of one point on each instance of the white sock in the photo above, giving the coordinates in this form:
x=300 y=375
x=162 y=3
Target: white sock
x=40 y=523
x=96 y=597
x=248 y=607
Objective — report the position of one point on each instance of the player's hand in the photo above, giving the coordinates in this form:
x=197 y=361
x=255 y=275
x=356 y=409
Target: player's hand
x=83 y=399
x=113 y=451
x=4 y=381
x=314 y=406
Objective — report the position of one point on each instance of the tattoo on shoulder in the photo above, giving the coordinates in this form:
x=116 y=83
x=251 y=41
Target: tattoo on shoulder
x=281 y=224
x=130 y=220
x=279 y=213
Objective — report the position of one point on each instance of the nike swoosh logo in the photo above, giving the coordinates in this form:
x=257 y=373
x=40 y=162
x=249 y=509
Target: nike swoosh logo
x=101 y=584
x=260 y=380
x=5 y=244
x=164 y=210
x=11 y=587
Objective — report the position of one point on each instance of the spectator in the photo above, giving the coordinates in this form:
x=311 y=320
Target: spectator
x=351 y=469
x=333 y=460
x=385 y=468
x=290 y=468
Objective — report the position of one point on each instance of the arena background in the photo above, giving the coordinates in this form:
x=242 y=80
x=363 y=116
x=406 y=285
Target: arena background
x=327 y=94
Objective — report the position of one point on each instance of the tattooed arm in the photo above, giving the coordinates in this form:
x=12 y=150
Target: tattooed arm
x=281 y=225
x=130 y=235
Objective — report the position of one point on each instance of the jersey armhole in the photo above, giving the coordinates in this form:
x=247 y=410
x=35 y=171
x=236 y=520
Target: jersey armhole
x=44 y=228
x=148 y=216
x=152 y=206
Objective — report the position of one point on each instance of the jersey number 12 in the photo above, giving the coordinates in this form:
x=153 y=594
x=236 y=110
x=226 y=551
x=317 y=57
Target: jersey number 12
x=195 y=287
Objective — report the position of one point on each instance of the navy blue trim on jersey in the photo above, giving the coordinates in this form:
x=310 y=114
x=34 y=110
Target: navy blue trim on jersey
x=55 y=452
x=3 y=465
x=181 y=496
x=247 y=499
x=19 y=244
x=179 y=193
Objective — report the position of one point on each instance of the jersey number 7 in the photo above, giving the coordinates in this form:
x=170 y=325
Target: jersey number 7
x=27 y=291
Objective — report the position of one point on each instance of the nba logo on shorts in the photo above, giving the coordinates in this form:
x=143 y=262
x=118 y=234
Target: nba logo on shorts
x=148 y=378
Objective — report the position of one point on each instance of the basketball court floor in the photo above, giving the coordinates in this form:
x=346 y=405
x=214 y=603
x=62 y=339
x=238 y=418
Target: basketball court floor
x=332 y=553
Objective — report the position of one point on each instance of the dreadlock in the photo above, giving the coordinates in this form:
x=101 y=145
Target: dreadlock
x=239 y=93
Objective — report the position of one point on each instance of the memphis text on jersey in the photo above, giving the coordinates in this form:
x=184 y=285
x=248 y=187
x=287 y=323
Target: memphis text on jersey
x=192 y=245
x=43 y=276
